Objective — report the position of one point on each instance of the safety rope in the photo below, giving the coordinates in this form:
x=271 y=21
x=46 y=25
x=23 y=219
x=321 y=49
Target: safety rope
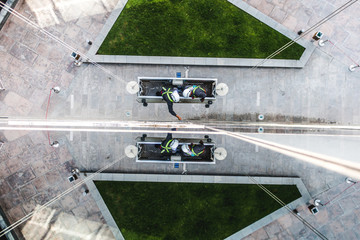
x=69 y=190
x=214 y=131
x=339 y=194
x=345 y=167
x=312 y=28
x=56 y=39
x=278 y=200
x=343 y=52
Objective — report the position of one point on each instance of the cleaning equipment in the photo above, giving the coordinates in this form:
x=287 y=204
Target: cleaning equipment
x=150 y=86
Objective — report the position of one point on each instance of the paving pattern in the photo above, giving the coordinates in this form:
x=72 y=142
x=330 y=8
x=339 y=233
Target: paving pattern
x=31 y=172
x=339 y=219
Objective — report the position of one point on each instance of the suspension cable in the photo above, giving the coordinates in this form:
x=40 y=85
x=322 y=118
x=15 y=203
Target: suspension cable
x=335 y=164
x=107 y=130
x=56 y=39
x=278 y=200
x=322 y=21
x=272 y=146
x=343 y=166
x=69 y=190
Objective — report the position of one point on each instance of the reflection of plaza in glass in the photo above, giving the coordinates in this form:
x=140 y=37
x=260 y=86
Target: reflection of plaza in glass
x=91 y=118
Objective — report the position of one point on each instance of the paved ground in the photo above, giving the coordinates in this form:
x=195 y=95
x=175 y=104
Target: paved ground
x=339 y=219
x=31 y=172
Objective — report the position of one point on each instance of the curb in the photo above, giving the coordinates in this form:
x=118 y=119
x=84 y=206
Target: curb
x=200 y=61
x=200 y=179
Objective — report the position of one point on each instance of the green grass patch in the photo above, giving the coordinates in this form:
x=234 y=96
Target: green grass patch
x=144 y=210
x=193 y=28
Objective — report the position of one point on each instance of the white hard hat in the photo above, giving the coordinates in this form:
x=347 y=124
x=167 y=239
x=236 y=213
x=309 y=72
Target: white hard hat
x=174 y=144
x=185 y=148
x=186 y=92
x=175 y=96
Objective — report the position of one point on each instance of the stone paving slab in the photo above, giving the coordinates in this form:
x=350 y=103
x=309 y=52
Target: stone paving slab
x=322 y=92
x=338 y=219
x=104 y=210
x=31 y=172
x=296 y=15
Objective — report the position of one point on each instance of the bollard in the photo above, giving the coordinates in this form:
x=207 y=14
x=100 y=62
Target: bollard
x=352 y=67
x=349 y=180
x=322 y=42
x=55 y=144
x=296 y=212
x=56 y=89
x=75 y=171
x=317 y=202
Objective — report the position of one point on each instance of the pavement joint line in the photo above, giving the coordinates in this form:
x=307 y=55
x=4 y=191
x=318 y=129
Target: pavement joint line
x=305 y=196
x=241 y=62
x=103 y=208
x=72 y=101
x=106 y=28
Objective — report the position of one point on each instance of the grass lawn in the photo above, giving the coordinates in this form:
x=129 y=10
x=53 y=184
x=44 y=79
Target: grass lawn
x=144 y=210
x=193 y=28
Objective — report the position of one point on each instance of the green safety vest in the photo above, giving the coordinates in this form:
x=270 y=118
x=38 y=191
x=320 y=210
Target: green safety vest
x=168 y=93
x=166 y=148
x=192 y=150
x=193 y=91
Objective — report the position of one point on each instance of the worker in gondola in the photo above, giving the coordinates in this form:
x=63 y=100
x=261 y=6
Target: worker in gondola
x=195 y=91
x=193 y=150
x=169 y=145
x=170 y=95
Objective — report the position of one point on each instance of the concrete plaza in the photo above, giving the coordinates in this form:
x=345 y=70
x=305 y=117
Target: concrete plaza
x=32 y=173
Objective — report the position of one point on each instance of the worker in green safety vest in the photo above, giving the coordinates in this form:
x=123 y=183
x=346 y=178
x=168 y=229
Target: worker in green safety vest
x=171 y=96
x=195 y=91
x=169 y=145
x=193 y=150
